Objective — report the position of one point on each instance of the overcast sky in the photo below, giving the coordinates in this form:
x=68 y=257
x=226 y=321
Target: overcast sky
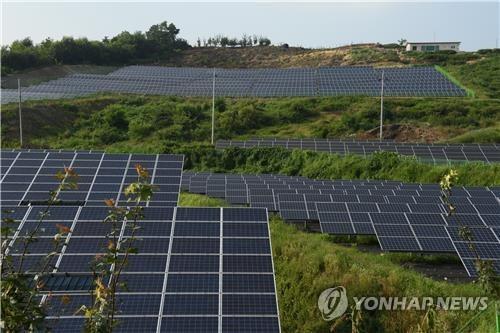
x=475 y=24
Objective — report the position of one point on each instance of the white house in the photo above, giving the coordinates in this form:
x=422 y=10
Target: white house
x=432 y=46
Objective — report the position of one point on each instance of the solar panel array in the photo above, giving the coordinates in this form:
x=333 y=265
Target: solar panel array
x=157 y=80
x=28 y=176
x=197 y=269
x=437 y=153
x=403 y=216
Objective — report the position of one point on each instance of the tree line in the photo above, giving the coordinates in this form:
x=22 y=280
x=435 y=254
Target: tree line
x=225 y=41
x=161 y=41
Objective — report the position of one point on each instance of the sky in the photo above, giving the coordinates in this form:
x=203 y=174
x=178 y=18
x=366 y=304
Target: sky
x=322 y=24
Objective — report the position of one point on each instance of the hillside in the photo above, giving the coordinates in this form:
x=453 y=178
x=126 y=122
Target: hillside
x=279 y=57
x=153 y=121
x=478 y=71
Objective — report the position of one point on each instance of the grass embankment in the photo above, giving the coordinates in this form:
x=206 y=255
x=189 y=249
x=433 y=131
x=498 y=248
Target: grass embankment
x=34 y=76
x=124 y=120
x=382 y=166
x=197 y=200
x=470 y=92
x=306 y=264
x=481 y=75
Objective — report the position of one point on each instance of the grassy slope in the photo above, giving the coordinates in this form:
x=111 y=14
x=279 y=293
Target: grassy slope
x=330 y=166
x=154 y=119
x=37 y=75
x=274 y=56
x=197 y=200
x=306 y=264
x=482 y=76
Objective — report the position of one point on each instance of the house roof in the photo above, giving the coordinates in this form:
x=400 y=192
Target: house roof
x=433 y=42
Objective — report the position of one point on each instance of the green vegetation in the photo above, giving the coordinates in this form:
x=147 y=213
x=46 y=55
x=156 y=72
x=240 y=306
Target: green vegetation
x=159 y=41
x=226 y=41
x=198 y=200
x=448 y=115
x=306 y=264
x=482 y=75
x=491 y=135
x=38 y=75
x=116 y=121
x=384 y=165
x=470 y=92
x=360 y=55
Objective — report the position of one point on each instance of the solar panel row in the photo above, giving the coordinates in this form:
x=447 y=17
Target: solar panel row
x=408 y=81
x=436 y=153
x=206 y=269
x=404 y=217
x=28 y=176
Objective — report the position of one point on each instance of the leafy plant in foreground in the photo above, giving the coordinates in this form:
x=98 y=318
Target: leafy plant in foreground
x=100 y=316
x=486 y=275
x=20 y=287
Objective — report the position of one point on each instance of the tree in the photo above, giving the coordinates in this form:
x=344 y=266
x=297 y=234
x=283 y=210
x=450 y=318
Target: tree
x=164 y=36
x=264 y=41
x=224 y=41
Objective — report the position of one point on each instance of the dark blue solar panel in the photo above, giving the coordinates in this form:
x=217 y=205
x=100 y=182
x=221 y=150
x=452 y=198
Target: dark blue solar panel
x=388 y=218
x=138 y=304
x=477 y=234
x=408 y=244
x=141 y=282
x=436 y=219
x=246 y=246
x=197 y=214
x=248 y=283
x=192 y=283
x=194 y=263
x=242 y=263
x=241 y=304
x=393 y=230
x=55 y=213
x=245 y=230
x=196 y=245
x=443 y=244
x=199 y=229
x=337 y=228
x=191 y=305
x=429 y=231
x=244 y=214
x=333 y=217
x=190 y=324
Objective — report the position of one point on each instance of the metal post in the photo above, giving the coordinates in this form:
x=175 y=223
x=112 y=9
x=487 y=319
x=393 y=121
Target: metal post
x=20 y=117
x=382 y=106
x=213 y=107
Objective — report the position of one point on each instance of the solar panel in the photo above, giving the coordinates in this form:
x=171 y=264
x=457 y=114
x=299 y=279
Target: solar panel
x=208 y=265
x=487 y=153
x=334 y=81
x=101 y=176
x=404 y=217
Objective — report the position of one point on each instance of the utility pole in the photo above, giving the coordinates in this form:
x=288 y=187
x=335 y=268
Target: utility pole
x=20 y=117
x=382 y=106
x=213 y=106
